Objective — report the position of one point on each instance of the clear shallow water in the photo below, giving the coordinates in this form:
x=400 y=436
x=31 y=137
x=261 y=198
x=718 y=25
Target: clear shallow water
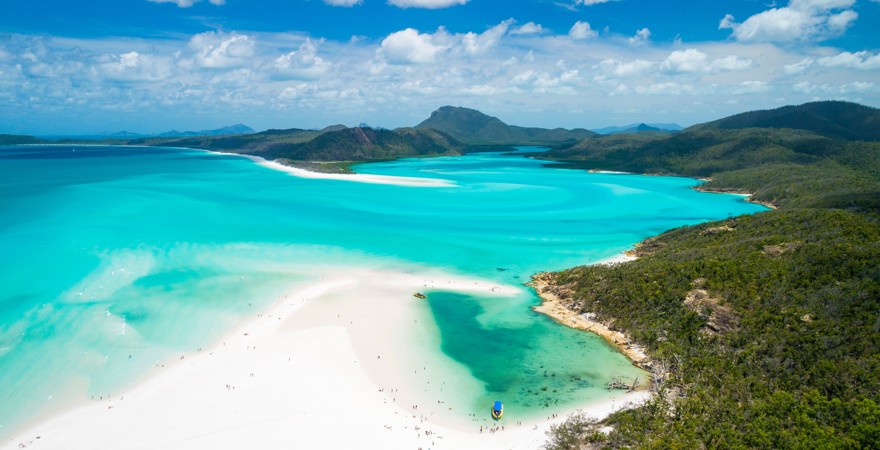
x=114 y=259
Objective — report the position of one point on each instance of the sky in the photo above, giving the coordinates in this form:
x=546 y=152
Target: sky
x=72 y=67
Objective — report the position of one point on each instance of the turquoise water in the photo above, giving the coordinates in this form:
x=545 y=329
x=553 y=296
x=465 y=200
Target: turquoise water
x=115 y=259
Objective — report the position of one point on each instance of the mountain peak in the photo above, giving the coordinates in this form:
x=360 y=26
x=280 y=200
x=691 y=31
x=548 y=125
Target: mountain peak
x=474 y=127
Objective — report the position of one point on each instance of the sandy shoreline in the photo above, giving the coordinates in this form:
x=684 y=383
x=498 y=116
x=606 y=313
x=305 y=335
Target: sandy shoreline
x=554 y=305
x=355 y=177
x=321 y=368
x=748 y=195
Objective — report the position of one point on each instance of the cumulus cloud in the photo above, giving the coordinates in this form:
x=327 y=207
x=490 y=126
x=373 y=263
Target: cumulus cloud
x=856 y=87
x=220 y=50
x=345 y=3
x=410 y=46
x=800 y=20
x=427 y=4
x=582 y=30
x=626 y=69
x=301 y=81
x=474 y=44
x=302 y=64
x=640 y=37
x=695 y=61
x=134 y=66
x=863 y=60
x=528 y=28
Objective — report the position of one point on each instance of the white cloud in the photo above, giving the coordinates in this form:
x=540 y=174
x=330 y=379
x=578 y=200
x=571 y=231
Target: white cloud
x=800 y=20
x=345 y=3
x=582 y=30
x=590 y=2
x=856 y=87
x=671 y=88
x=133 y=66
x=863 y=60
x=695 y=61
x=798 y=67
x=410 y=46
x=302 y=64
x=628 y=69
x=730 y=63
x=428 y=4
x=751 y=87
x=640 y=37
x=529 y=28
x=220 y=50
x=685 y=61
x=474 y=43
x=294 y=80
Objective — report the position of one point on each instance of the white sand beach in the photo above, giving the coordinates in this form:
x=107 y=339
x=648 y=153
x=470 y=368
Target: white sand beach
x=322 y=368
x=355 y=177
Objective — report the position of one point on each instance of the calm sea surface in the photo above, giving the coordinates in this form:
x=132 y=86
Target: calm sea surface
x=115 y=259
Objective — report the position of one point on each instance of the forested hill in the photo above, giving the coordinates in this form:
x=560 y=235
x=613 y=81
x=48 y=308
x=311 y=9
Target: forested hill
x=764 y=329
x=473 y=127
x=833 y=119
x=358 y=144
x=334 y=143
x=18 y=139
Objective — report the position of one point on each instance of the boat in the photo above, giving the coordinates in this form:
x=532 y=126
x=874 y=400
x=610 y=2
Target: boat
x=497 y=410
x=419 y=295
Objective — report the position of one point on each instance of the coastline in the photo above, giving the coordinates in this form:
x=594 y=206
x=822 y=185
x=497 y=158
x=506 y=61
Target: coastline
x=749 y=196
x=554 y=305
x=356 y=177
x=307 y=373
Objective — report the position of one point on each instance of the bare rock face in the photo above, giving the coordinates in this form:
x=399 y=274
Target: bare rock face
x=719 y=318
x=778 y=250
x=716 y=230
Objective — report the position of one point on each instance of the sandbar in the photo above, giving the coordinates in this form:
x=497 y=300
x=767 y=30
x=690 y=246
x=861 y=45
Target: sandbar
x=322 y=368
x=354 y=177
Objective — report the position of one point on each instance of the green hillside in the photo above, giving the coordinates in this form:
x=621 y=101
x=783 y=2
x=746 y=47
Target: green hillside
x=17 y=139
x=833 y=119
x=256 y=143
x=763 y=328
x=473 y=127
x=359 y=144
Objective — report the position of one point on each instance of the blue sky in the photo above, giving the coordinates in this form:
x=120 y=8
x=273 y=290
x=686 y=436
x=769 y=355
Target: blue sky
x=82 y=67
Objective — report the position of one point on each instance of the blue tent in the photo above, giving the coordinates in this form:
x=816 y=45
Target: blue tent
x=497 y=406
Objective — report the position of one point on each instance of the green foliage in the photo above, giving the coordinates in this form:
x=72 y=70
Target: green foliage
x=568 y=435
x=360 y=144
x=473 y=127
x=833 y=119
x=799 y=370
x=700 y=152
x=15 y=139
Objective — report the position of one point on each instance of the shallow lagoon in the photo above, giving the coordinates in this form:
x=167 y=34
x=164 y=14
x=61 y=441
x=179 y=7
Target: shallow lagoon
x=116 y=259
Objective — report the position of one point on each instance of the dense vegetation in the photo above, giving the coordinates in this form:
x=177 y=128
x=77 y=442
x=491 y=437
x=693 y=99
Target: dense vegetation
x=473 y=127
x=16 y=139
x=358 y=144
x=763 y=328
x=834 y=119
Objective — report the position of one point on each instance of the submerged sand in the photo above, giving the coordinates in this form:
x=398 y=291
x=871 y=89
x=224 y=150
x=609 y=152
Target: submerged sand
x=322 y=368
